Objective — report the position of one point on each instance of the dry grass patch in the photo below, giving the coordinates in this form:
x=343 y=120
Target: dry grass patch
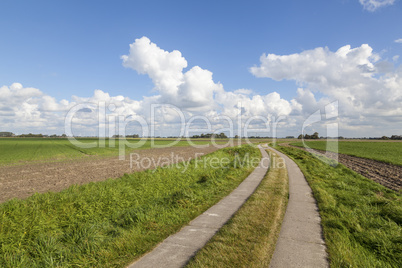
x=249 y=238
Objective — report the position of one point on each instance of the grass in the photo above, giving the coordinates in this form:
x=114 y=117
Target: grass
x=361 y=219
x=249 y=238
x=21 y=150
x=111 y=223
x=388 y=152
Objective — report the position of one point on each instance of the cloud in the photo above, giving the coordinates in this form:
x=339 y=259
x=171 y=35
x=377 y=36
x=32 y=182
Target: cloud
x=27 y=107
x=195 y=91
x=365 y=85
x=368 y=90
x=191 y=93
x=192 y=89
x=398 y=41
x=320 y=61
x=373 y=5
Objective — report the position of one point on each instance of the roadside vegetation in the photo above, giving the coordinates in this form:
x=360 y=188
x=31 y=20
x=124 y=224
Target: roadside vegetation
x=361 y=219
x=16 y=151
x=249 y=238
x=388 y=152
x=113 y=222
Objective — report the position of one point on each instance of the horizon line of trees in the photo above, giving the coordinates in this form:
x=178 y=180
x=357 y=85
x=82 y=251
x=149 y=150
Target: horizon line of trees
x=315 y=135
x=31 y=135
x=210 y=135
x=307 y=136
x=393 y=137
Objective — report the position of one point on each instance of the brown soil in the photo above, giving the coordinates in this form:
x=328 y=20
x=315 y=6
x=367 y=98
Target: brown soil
x=23 y=181
x=385 y=174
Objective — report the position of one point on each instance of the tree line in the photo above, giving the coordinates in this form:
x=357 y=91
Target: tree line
x=210 y=135
x=307 y=136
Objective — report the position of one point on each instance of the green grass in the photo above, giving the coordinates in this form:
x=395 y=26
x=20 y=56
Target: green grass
x=111 y=223
x=388 y=152
x=361 y=219
x=249 y=238
x=22 y=150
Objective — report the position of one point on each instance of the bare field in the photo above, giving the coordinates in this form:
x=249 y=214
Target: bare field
x=24 y=180
x=386 y=174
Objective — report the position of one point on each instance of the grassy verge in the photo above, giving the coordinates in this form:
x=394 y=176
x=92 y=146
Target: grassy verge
x=249 y=238
x=388 y=152
x=111 y=223
x=361 y=219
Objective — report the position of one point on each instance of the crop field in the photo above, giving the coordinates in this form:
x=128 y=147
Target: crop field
x=388 y=152
x=361 y=219
x=31 y=165
x=111 y=223
x=16 y=151
x=378 y=161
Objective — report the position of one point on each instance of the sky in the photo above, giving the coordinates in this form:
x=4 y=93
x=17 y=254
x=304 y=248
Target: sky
x=170 y=68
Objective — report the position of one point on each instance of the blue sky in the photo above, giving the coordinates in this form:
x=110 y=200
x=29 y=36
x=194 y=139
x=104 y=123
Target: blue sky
x=66 y=48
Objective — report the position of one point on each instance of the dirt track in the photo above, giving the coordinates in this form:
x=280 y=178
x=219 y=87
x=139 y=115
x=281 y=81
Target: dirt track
x=23 y=181
x=385 y=174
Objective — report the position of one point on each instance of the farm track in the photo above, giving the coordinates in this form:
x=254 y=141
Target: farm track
x=24 y=180
x=385 y=174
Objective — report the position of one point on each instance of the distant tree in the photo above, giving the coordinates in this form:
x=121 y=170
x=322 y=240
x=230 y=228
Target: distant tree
x=384 y=138
x=307 y=136
x=30 y=135
x=209 y=135
x=221 y=136
x=6 y=134
x=135 y=136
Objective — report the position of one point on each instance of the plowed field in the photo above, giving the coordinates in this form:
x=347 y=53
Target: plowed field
x=24 y=180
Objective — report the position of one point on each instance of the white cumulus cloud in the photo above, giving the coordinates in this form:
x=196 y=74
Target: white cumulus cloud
x=195 y=91
x=191 y=92
x=368 y=90
x=373 y=5
x=192 y=89
x=27 y=107
x=398 y=41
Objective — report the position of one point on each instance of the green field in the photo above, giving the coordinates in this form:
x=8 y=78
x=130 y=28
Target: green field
x=388 y=152
x=361 y=219
x=21 y=150
x=113 y=222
